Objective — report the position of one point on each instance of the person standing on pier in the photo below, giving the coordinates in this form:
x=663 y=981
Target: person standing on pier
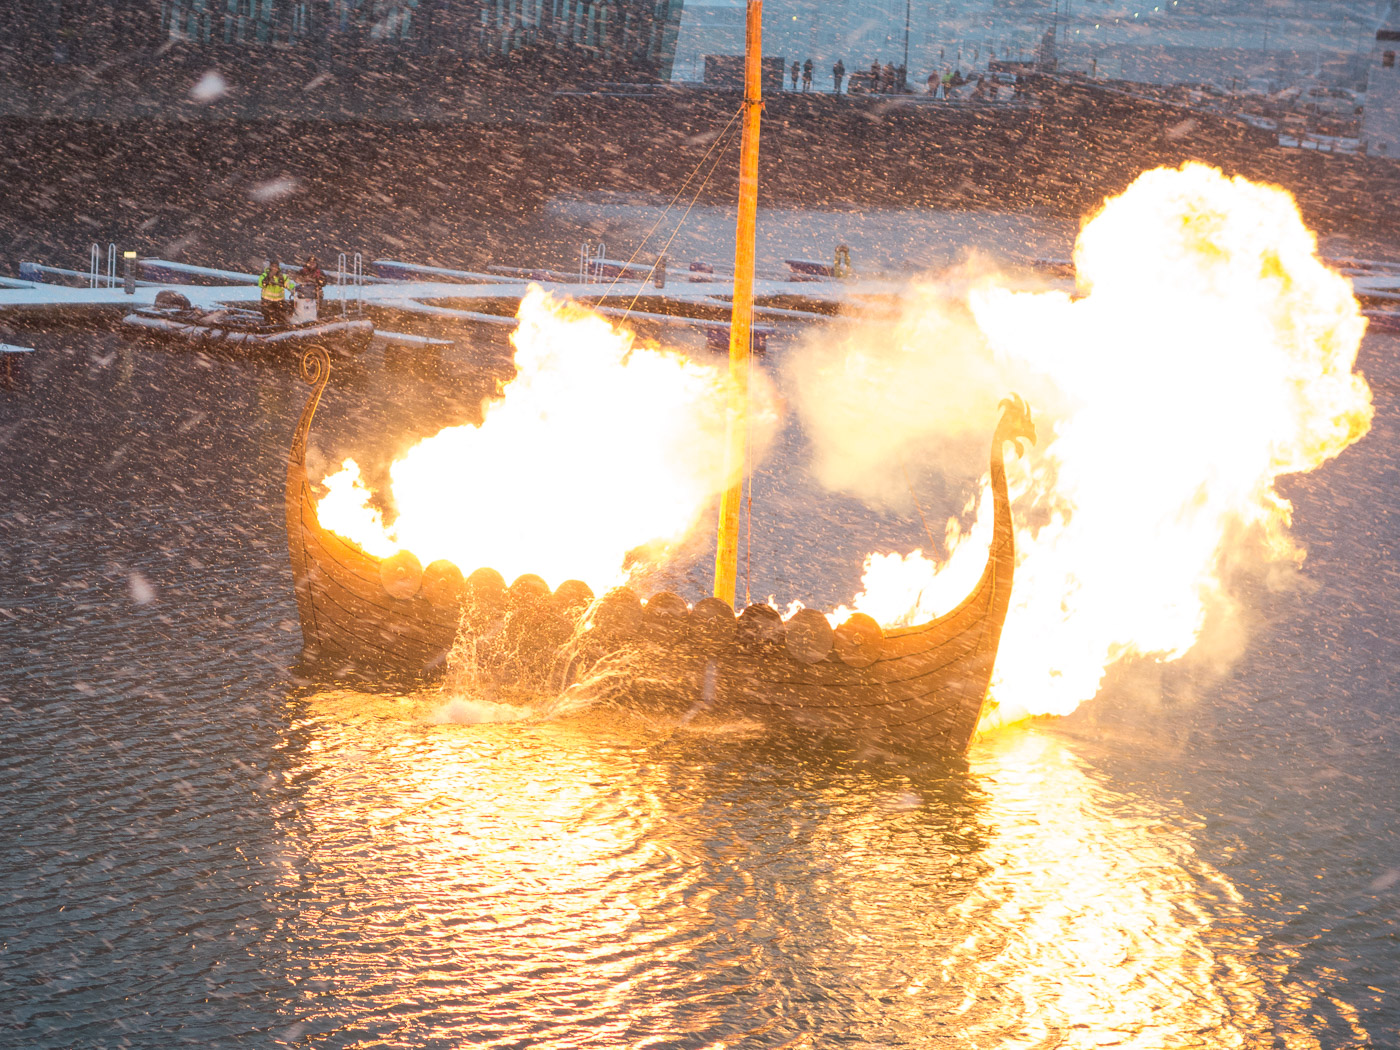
x=277 y=288
x=807 y=75
x=796 y=72
x=838 y=74
x=313 y=277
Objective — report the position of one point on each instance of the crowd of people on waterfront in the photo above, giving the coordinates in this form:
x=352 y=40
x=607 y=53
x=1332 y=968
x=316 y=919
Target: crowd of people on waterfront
x=889 y=79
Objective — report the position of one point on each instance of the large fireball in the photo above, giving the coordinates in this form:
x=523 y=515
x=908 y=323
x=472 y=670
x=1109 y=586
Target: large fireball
x=599 y=456
x=1206 y=353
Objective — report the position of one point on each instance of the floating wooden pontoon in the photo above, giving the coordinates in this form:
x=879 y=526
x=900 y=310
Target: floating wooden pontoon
x=244 y=331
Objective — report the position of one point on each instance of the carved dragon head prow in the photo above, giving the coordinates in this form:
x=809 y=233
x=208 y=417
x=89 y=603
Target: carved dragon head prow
x=1016 y=424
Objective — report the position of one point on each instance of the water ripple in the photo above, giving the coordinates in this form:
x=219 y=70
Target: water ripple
x=202 y=851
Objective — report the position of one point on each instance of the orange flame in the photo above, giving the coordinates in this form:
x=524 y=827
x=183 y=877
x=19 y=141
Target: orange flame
x=599 y=456
x=1208 y=353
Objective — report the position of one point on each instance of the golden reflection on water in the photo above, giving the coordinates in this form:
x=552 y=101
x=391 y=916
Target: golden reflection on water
x=1096 y=923
x=566 y=886
x=536 y=881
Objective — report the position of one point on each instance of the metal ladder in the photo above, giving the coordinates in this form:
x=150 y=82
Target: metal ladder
x=588 y=257
x=95 y=276
x=353 y=280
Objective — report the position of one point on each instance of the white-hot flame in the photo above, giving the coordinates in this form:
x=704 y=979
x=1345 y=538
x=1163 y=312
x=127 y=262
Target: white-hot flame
x=599 y=456
x=1208 y=352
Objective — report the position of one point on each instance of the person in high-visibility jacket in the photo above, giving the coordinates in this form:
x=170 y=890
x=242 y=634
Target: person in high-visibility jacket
x=277 y=290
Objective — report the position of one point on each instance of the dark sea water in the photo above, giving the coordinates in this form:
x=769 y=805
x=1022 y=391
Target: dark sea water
x=201 y=848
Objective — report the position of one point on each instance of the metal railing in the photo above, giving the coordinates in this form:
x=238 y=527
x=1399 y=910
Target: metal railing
x=348 y=281
x=96 y=279
x=590 y=257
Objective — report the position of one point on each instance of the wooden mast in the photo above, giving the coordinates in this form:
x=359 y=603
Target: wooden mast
x=741 y=319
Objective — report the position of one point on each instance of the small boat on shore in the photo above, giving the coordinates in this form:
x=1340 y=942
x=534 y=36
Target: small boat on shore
x=243 y=330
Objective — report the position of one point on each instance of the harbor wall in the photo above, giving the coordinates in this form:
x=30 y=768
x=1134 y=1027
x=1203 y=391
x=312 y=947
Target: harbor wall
x=455 y=191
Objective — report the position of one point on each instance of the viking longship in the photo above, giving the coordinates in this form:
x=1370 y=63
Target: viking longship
x=923 y=685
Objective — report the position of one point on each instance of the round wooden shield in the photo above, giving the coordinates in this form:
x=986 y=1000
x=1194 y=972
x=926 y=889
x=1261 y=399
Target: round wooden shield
x=712 y=622
x=858 y=640
x=533 y=635
x=444 y=585
x=808 y=637
x=528 y=589
x=619 y=613
x=666 y=615
x=485 y=597
x=759 y=624
x=401 y=574
x=571 y=597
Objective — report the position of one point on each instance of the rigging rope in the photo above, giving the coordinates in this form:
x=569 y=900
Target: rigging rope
x=666 y=247
x=748 y=475
x=665 y=211
x=719 y=144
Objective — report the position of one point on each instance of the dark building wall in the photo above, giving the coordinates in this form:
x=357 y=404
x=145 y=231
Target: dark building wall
x=455 y=191
x=76 y=31
x=632 y=40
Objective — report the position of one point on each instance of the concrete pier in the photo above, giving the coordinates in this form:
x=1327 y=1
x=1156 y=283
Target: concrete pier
x=698 y=304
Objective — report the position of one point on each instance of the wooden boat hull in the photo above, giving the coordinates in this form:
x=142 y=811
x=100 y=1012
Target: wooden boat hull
x=348 y=620
x=926 y=686
x=926 y=689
